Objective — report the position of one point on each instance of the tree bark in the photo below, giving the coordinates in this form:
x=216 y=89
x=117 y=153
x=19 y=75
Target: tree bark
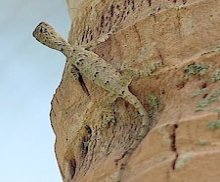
x=182 y=100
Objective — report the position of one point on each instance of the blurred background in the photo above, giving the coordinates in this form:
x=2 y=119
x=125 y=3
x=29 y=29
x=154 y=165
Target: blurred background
x=29 y=75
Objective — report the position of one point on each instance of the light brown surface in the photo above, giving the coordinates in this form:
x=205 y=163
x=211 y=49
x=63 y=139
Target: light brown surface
x=183 y=145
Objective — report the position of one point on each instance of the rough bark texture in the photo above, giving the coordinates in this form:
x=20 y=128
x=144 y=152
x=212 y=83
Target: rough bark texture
x=182 y=100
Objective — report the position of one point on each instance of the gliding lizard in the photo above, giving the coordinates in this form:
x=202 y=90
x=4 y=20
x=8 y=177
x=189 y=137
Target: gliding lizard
x=94 y=68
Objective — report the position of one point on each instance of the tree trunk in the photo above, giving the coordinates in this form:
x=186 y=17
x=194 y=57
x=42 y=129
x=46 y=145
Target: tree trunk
x=181 y=99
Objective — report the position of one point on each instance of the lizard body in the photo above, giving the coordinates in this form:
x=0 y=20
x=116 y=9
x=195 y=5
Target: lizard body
x=96 y=69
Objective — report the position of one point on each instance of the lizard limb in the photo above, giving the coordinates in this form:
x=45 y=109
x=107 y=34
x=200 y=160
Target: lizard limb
x=96 y=42
x=133 y=72
x=102 y=38
x=107 y=107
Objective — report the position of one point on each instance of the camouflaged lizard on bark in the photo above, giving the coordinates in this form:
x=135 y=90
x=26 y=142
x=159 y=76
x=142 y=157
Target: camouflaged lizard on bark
x=94 y=68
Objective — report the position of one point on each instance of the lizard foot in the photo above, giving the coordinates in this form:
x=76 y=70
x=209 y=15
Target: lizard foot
x=108 y=118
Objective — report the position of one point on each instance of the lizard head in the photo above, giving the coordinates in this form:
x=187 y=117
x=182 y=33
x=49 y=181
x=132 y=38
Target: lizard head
x=46 y=34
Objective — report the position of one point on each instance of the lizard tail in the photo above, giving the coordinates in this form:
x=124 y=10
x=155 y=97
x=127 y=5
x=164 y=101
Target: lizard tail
x=141 y=111
x=145 y=126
